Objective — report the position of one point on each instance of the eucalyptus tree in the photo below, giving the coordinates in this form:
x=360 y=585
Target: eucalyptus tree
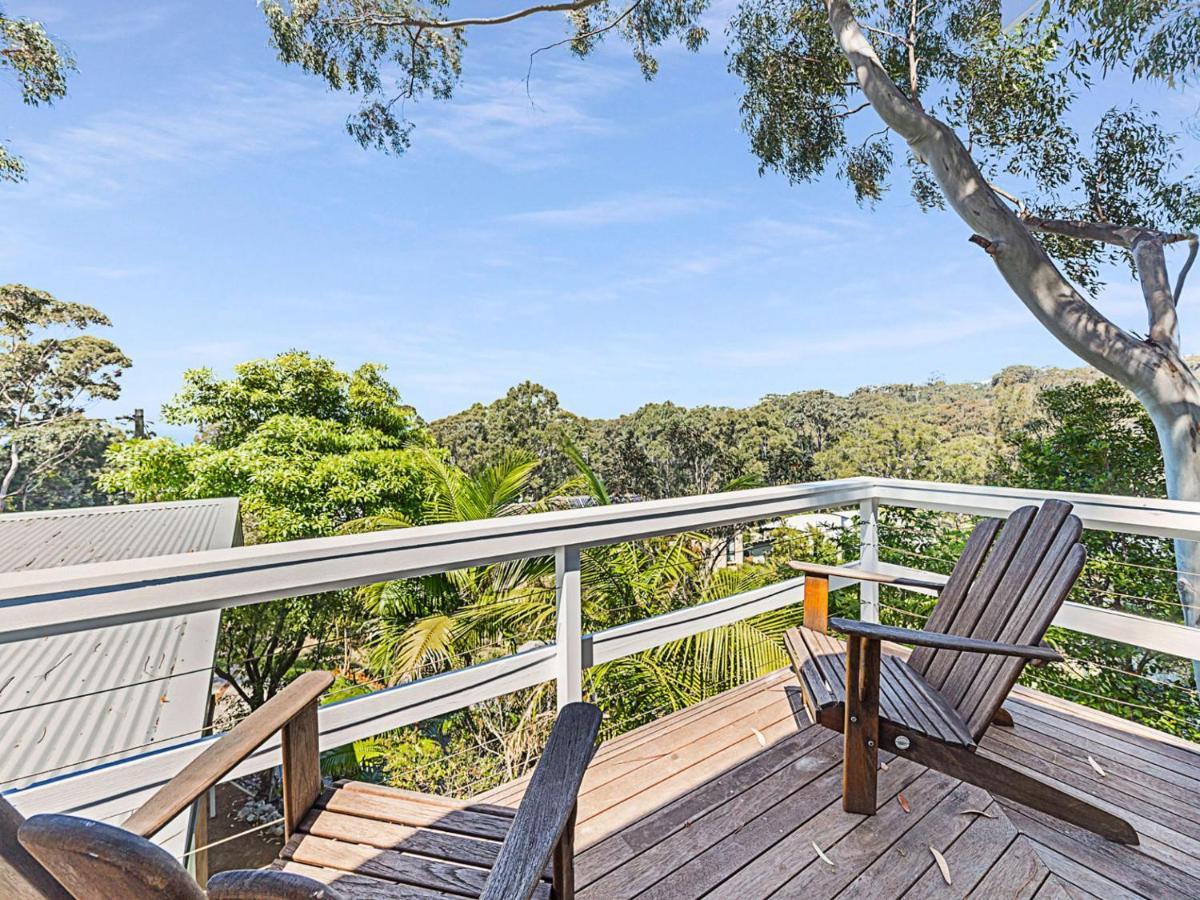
x=48 y=375
x=984 y=115
x=40 y=68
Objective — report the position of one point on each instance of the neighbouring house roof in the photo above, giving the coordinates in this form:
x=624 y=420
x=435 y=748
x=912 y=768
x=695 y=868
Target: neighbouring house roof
x=73 y=701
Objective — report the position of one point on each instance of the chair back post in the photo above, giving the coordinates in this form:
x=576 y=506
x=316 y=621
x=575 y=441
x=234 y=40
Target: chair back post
x=300 y=739
x=563 y=885
x=816 y=602
x=21 y=876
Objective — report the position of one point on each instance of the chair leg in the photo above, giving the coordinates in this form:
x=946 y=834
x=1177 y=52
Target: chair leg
x=563 y=887
x=1004 y=781
x=861 y=732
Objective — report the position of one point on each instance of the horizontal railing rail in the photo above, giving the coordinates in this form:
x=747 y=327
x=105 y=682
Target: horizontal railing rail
x=55 y=601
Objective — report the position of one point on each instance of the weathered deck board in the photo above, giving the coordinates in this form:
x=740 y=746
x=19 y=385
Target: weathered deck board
x=695 y=805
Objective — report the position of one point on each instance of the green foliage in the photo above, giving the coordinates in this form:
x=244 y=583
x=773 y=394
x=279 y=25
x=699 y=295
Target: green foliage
x=527 y=418
x=390 y=52
x=1091 y=437
x=40 y=68
x=1009 y=93
x=47 y=376
x=307 y=449
x=905 y=447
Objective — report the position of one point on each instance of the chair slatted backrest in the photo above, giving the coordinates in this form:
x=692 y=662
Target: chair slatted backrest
x=1008 y=585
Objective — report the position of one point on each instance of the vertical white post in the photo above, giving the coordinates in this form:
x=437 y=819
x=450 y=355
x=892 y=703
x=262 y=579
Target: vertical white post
x=569 y=632
x=868 y=591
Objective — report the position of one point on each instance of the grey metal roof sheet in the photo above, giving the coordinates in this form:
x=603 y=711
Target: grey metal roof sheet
x=75 y=700
x=67 y=537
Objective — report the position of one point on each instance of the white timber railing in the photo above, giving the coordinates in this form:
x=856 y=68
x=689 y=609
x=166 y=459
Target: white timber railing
x=78 y=598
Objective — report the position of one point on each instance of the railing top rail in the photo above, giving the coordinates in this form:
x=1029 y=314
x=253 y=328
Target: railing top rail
x=54 y=601
x=72 y=598
x=1102 y=512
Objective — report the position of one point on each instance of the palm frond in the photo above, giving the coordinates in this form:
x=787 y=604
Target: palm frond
x=401 y=653
x=591 y=481
x=379 y=522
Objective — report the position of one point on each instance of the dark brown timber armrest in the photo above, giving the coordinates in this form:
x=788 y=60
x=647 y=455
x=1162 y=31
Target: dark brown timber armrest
x=863 y=575
x=941 y=641
x=226 y=752
x=548 y=807
x=267 y=884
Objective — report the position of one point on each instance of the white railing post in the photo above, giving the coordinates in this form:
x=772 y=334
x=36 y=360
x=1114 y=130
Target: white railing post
x=569 y=631
x=868 y=533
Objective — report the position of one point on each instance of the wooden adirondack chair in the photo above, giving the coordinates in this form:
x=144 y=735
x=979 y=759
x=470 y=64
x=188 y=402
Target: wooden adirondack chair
x=354 y=840
x=988 y=622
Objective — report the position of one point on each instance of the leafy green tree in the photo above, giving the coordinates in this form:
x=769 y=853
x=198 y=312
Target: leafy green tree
x=905 y=446
x=40 y=68
x=47 y=377
x=307 y=448
x=425 y=624
x=527 y=418
x=666 y=450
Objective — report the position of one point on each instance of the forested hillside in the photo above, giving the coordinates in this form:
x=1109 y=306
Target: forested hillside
x=938 y=430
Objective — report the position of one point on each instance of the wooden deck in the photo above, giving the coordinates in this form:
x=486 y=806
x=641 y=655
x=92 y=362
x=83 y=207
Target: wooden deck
x=730 y=798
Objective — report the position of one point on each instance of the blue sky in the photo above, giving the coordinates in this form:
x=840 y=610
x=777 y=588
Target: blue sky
x=611 y=239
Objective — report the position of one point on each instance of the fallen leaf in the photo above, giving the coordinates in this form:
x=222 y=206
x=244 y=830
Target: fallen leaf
x=1096 y=766
x=978 y=812
x=903 y=803
x=941 y=863
x=821 y=853
x=758 y=734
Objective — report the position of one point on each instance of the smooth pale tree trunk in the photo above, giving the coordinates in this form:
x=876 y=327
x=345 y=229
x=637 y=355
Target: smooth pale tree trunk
x=1152 y=367
x=1174 y=407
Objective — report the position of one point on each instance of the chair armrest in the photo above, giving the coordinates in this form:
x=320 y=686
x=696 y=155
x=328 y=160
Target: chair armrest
x=268 y=884
x=547 y=807
x=863 y=575
x=941 y=641
x=226 y=752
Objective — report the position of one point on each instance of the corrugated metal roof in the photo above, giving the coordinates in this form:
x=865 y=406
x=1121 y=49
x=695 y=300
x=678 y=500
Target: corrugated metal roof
x=67 y=537
x=71 y=701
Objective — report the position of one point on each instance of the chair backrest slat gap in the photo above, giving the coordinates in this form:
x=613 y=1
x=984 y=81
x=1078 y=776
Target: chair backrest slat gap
x=1007 y=599
x=955 y=592
x=966 y=617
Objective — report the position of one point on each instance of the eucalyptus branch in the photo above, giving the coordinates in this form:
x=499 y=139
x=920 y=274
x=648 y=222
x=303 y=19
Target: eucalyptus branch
x=911 y=44
x=1011 y=198
x=385 y=21
x=578 y=37
x=1193 y=243
x=1020 y=258
x=849 y=112
x=885 y=33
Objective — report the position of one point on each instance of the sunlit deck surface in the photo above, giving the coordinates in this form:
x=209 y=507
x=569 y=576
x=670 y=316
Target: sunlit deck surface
x=728 y=799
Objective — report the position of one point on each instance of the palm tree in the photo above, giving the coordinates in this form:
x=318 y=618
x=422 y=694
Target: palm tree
x=453 y=619
x=429 y=623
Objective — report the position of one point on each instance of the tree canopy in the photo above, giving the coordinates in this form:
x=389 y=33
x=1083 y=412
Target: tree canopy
x=40 y=68
x=48 y=375
x=307 y=448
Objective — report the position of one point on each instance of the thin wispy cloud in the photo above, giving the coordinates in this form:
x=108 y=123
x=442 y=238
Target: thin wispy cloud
x=892 y=338
x=128 y=23
x=505 y=123
x=628 y=209
x=86 y=164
